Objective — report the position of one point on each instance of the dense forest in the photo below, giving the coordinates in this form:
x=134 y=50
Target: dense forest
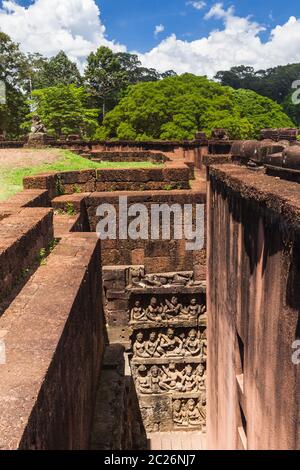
x=116 y=97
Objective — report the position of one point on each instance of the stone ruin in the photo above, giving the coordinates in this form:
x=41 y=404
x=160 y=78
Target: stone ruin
x=105 y=345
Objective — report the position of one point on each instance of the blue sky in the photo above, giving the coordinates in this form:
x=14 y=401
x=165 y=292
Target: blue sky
x=132 y=22
x=217 y=36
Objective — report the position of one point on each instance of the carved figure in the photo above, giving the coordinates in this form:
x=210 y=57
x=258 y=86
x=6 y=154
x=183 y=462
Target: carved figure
x=171 y=344
x=156 y=383
x=201 y=377
x=189 y=383
x=142 y=380
x=173 y=378
x=194 y=310
x=139 y=347
x=138 y=313
x=193 y=413
x=179 y=414
x=37 y=126
x=152 y=346
x=154 y=311
x=173 y=308
x=192 y=344
x=204 y=345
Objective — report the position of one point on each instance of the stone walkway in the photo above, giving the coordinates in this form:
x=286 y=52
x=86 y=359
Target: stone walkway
x=176 y=441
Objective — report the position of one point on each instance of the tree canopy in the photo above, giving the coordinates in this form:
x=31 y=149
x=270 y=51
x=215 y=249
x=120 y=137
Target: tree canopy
x=64 y=110
x=176 y=107
x=275 y=83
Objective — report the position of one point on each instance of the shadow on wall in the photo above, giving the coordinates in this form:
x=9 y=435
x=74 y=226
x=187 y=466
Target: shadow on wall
x=118 y=423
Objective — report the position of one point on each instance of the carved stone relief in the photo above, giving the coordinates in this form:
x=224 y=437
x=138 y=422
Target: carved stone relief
x=168 y=343
x=166 y=310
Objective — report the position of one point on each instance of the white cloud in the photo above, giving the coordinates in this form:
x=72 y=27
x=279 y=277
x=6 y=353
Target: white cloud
x=159 y=29
x=48 y=26
x=238 y=42
x=198 y=5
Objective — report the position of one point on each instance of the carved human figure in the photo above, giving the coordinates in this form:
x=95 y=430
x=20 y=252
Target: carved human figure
x=189 y=383
x=193 y=413
x=154 y=310
x=156 y=383
x=204 y=345
x=202 y=411
x=37 y=126
x=142 y=380
x=152 y=346
x=201 y=377
x=192 y=344
x=179 y=414
x=194 y=310
x=173 y=308
x=171 y=344
x=138 y=313
x=139 y=347
x=172 y=378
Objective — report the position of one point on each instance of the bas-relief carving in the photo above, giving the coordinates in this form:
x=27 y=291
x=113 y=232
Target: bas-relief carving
x=170 y=378
x=190 y=343
x=167 y=310
x=138 y=278
x=189 y=412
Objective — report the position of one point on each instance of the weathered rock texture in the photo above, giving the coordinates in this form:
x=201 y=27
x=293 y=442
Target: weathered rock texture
x=253 y=310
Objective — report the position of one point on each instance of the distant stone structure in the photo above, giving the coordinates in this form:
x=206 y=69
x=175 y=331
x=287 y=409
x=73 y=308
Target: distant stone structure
x=38 y=137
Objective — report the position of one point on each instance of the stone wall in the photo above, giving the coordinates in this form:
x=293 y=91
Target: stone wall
x=155 y=255
x=112 y=179
x=54 y=337
x=22 y=236
x=135 y=156
x=253 y=310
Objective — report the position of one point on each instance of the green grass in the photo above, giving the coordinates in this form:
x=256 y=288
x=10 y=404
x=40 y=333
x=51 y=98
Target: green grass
x=11 y=180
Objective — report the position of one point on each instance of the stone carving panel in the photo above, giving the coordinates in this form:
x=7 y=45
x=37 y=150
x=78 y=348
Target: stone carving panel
x=189 y=412
x=169 y=378
x=170 y=343
x=167 y=310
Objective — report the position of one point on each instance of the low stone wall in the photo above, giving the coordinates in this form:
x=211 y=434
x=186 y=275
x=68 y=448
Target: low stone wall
x=253 y=310
x=54 y=336
x=135 y=156
x=22 y=236
x=111 y=179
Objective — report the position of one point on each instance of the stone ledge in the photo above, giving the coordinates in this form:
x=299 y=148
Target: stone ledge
x=50 y=342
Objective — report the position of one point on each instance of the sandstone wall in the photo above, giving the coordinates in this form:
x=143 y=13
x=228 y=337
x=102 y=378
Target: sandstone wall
x=253 y=310
x=54 y=337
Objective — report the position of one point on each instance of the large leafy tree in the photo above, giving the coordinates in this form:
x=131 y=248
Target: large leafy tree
x=108 y=75
x=64 y=110
x=104 y=75
x=176 y=107
x=13 y=68
x=275 y=83
x=58 y=70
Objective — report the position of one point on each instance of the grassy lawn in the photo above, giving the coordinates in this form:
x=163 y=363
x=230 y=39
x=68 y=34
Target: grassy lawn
x=11 y=178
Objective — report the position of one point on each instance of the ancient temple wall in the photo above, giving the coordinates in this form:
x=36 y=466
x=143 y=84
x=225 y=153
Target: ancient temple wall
x=155 y=255
x=253 y=310
x=52 y=342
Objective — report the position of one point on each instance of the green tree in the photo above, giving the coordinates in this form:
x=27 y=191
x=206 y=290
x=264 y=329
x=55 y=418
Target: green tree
x=176 y=107
x=64 y=110
x=13 y=73
x=104 y=75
